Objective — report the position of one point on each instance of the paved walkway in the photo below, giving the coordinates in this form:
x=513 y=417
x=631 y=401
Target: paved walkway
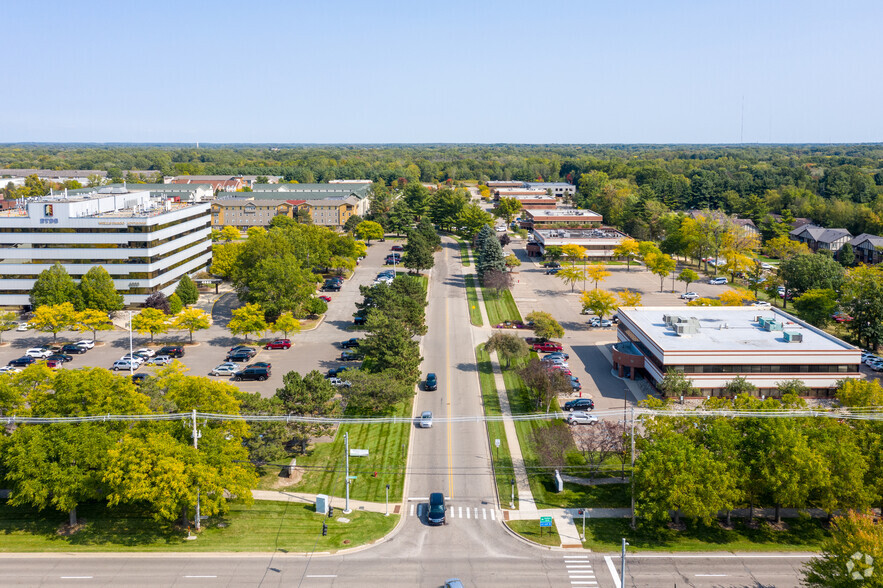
x=337 y=502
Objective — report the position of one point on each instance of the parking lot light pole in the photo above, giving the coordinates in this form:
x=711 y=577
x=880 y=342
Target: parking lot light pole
x=131 y=357
x=387 y=500
x=622 y=565
x=512 y=502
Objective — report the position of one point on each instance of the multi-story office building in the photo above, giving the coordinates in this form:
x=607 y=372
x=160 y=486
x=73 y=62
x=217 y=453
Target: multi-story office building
x=145 y=243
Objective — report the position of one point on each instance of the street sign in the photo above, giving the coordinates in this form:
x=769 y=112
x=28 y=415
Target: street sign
x=545 y=521
x=351 y=477
x=358 y=453
x=497 y=443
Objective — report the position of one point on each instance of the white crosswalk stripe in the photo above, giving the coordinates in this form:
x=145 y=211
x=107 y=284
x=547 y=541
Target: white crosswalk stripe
x=458 y=512
x=579 y=571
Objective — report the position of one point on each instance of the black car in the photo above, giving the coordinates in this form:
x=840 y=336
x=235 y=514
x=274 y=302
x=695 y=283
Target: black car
x=24 y=361
x=252 y=373
x=71 y=348
x=349 y=343
x=331 y=287
x=359 y=320
x=431 y=382
x=552 y=271
x=436 y=514
x=240 y=355
x=260 y=364
x=172 y=351
x=551 y=264
x=579 y=404
x=239 y=347
x=334 y=372
x=350 y=356
x=59 y=357
x=139 y=379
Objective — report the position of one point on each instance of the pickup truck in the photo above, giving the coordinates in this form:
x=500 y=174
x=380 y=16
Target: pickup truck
x=349 y=343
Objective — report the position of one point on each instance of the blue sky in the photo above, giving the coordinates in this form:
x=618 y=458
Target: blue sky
x=477 y=71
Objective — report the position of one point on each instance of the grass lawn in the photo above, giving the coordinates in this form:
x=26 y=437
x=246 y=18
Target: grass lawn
x=532 y=530
x=472 y=300
x=803 y=534
x=491 y=401
x=387 y=445
x=263 y=526
x=578 y=496
x=500 y=308
x=464 y=252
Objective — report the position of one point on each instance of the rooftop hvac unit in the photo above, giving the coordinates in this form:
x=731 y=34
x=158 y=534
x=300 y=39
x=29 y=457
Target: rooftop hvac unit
x=773 y=326
x=792 y=337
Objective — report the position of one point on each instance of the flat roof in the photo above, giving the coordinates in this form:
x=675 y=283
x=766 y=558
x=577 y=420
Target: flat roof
x=602 y=233
x=729 y=328
x=574 y=212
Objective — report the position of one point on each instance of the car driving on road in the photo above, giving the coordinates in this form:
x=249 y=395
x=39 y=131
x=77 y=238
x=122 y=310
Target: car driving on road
x=426 y=419
x=437 y=508
x=431 y=382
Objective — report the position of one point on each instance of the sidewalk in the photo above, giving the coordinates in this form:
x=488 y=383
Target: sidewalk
x=335 y=501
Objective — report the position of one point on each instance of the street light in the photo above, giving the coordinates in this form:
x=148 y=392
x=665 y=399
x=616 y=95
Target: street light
x=512 y=502
x=622 y=565
x=132 y=357
x=387 y=500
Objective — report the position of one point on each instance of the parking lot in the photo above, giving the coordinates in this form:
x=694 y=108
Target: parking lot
x=314 y=349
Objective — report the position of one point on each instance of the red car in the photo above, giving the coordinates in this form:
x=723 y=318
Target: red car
x=547 y=347
x=841 y=317
x=560 y=368
x=325 y=298
x=278 y=344
x=398 y=248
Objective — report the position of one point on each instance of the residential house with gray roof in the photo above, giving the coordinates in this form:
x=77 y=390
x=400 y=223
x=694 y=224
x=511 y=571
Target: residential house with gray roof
x=821 y=239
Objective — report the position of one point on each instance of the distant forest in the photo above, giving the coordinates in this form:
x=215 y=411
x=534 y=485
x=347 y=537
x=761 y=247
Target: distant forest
x=834 y=185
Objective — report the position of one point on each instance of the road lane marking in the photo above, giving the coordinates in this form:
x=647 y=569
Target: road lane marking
x=467 y=512
x=567 y=557
x=320 y=575
x=484 y=514
x=493 y=515
x=448 y=390
x=613 y=573
x=476 y=513
x=460 y=510
x=76 y=577
x=200 y=576
x=710 y=575
x=412 y=510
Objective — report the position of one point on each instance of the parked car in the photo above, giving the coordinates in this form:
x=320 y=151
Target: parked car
x=534 y=340
x=225 y=369
x=62 y=357
x=87 y=343
x=561 y=369
x=125 y=364
x=334 y=372
x=279 y=344
x=265 y=364
x=8 y=369
x=23 y=327
x=431 y=382
x=73 y=349
x=574 y=384
x=556 y=354
x=555 y=361
x=581 y=418
x=718 y=281
x=240 y=355
x=172 y=351
x=397 y=248
x=23 y=361
x=350 y=356
x=331 y=287
x=689 y=296
x=426 y=419
x=139 y=379
x=137 y=360
x=143 y=352
x=338 y=383
x=599 y=322
x=325 y=298
x=38 y=352
x=252 y=373
x=547 y=347
x=359 y=320
x=436 y=513
x=552 y=271
x=349 y=343
x=841 y=317
x=159 y=360
x=761 y=304
x=238 y=347
x=580 y=404
x=551 y=264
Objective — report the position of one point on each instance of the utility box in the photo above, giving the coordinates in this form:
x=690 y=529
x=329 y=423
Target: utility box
x=322 y=503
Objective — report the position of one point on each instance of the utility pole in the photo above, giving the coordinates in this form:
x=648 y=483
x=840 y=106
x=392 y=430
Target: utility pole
x=131 y=357
x=625 y=400
x=633 y=467
x=387 y=500
x=346 y=448
x=622 y=565
x=196 y=446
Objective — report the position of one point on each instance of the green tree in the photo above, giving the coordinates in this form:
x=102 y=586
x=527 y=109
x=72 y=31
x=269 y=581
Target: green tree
x=543 y=385
x=544 y=325
x=816 y=306
x=54 y=318
x=286 y=323
x=247 y=320
x=187 y=290
x=512 y=261
x=54 y=286
x=191 y=319
x=675 y=384
x=471 y=220
x=687 y=276
x=811 y=272
x=373 y=393
x=863 y=299
x=846 y=255
x=230 y=234
x=150 y=321
x=418 y=198
x=600 y=302
x=97 y=291
x=661 y=265
x=572 y=275
x=175 y=304
x=92 y=320
x=7 y=321
x=850 y=557
x=418 y=253
x=507 y=208
x=428 y=232
x=739 y=385
x=447 y=206
x=351 y=223
x=507 y=346
x=310 y=396
x=367 y=230
x=490 y=253
x=224 y=258
x=860 y=393
x=390 y=346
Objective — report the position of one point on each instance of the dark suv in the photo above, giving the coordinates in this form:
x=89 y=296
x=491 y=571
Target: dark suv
x=349 y=343
x=172 y=351
x=252 y=373
x=240 y=355
x=71 y=348
x=436 y=514
x=431 y=382
x=579 y=404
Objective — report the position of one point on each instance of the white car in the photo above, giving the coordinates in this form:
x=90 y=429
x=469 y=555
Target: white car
x=426 y=419
x=135 y=358
x=225 y=369
x=338 y=383
x=144 y=351
x=761 y=304
x=8 y=369
x=604 y=323
x=23 y=327
x=125 y=364
x=718 y=281
x=579 y=417
x=689 y=296
x=766 y=266
x=87 y=343
x=501 y=228
x=38 y=352
x=159 y=360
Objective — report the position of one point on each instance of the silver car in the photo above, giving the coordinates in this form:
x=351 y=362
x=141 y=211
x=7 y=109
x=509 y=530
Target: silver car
x=159 y=360
x=579 y=417
x=426 y=419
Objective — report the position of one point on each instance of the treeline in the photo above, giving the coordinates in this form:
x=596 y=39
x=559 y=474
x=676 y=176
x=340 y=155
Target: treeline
x=697 y=467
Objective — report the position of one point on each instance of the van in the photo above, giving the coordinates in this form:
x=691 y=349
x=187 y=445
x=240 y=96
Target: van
x=252 y=373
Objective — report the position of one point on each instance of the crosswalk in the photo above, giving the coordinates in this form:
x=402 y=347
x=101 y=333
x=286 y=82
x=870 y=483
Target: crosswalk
x=580 y=571
x=471 y=513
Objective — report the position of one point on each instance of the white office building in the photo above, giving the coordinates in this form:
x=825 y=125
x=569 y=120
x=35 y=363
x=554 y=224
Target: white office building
x=145 y=243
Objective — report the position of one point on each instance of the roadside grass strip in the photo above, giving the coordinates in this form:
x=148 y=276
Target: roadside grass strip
x=501 y=457
x=264 y=526
x=532 y=530
x=472 y=300
x=500 y=308
x=465 y=258
x=802 y=534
